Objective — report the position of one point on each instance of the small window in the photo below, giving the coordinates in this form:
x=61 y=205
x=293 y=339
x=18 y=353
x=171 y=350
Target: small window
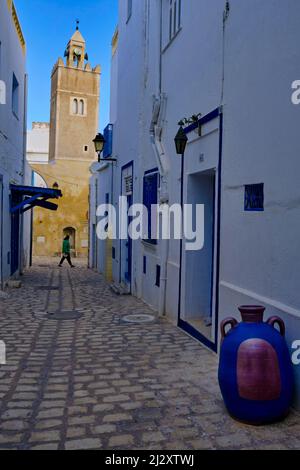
x=174 y=17
x=75 y=106
x=15 y=96
x=254 y=198
x=157 y=281
x=150 y=198
x=81 y=107
x=86 y=148
x=129 y=9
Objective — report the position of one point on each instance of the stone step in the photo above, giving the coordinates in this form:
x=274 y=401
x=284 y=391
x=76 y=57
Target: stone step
x=119 y=289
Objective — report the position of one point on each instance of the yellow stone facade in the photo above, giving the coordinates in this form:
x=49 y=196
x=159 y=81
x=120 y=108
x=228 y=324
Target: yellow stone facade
x=75 y=91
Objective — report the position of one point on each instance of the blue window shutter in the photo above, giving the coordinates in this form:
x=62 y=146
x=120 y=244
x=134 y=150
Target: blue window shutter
x=108 y=136
x=150 y=198
x=157 y=282
x=254 y=197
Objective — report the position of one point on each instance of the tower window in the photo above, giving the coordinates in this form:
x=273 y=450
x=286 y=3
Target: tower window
x=81 y=107
x=78 y=106
x=75 y=106
x=86 y=148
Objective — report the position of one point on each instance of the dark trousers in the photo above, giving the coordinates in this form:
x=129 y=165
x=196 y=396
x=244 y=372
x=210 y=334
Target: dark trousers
x=67 y=257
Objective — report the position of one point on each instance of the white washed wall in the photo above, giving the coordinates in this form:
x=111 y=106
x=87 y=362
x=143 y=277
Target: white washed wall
x=11 y=129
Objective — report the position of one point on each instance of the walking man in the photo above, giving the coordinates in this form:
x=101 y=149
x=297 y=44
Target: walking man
x=66 y=252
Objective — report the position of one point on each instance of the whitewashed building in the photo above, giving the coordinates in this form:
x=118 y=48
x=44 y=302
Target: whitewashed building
x=232 y=64
x=37 y=151
x=14 y=246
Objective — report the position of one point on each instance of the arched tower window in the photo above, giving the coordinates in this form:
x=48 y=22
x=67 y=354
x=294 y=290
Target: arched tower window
x=81 y=107
x=75 y=106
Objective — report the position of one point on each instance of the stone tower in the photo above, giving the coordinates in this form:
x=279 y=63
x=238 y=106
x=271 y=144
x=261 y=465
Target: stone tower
x=75 y=91
x=74 y=104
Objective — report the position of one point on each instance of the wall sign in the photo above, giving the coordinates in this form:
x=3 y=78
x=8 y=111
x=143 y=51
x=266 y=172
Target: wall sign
x=254 y=197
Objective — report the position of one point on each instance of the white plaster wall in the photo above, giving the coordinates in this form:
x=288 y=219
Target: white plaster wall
x=11 y=128
x=130 y=65
x=260 y=259
x=92 y=220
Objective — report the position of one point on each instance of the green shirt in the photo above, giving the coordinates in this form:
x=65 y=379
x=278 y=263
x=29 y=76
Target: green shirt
x=66 y=247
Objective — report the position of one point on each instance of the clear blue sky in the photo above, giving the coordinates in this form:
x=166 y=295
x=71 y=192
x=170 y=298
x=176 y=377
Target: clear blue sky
x=47 y=26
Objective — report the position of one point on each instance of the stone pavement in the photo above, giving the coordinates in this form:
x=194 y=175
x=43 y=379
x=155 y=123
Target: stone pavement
x=98 y=383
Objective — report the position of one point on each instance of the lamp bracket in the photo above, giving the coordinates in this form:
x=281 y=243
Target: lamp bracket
x=191 y=120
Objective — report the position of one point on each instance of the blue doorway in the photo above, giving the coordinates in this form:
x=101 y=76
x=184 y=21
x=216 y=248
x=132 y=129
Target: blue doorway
x=15 y=235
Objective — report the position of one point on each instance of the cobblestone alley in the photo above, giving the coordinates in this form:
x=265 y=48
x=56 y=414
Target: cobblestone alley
x=99 y=383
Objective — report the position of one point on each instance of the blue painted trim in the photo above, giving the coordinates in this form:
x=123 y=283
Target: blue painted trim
x=108 y=136
x=197 y=335
x=207 y=118
x=31 y=190
x=259 y=205
x=124 y=167
x=213 y=248
x=25 y=203
x=221 y=120
x=149 y=172
x=181 y=323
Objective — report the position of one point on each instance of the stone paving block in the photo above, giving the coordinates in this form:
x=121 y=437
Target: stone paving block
x=153 y=437
x=51 y=446
x=116 y=418
x=48 y=424
x=77 y=420
x=16 y=414
x=116 y=398
x=76 y=432
x=125 y=440
x=104 y=429
x=45 y=436
x=103 y=407
x=83 y=444
x=51 y=413
x=14 y=425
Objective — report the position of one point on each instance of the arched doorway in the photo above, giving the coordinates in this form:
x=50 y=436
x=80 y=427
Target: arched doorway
x=72 y=234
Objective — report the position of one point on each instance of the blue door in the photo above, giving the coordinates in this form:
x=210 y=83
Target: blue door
x=128 y=272
x=15 y=236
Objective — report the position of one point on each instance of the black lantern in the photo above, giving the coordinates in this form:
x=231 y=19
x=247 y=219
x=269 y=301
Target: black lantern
x=181 y=141
x=99 y=143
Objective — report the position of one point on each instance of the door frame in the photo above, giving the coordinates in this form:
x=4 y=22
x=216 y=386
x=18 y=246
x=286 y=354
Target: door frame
x=15 y=229
x=130 y=198
x=184 y=325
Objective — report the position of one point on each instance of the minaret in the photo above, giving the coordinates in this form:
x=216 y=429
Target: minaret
x=75 y=90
